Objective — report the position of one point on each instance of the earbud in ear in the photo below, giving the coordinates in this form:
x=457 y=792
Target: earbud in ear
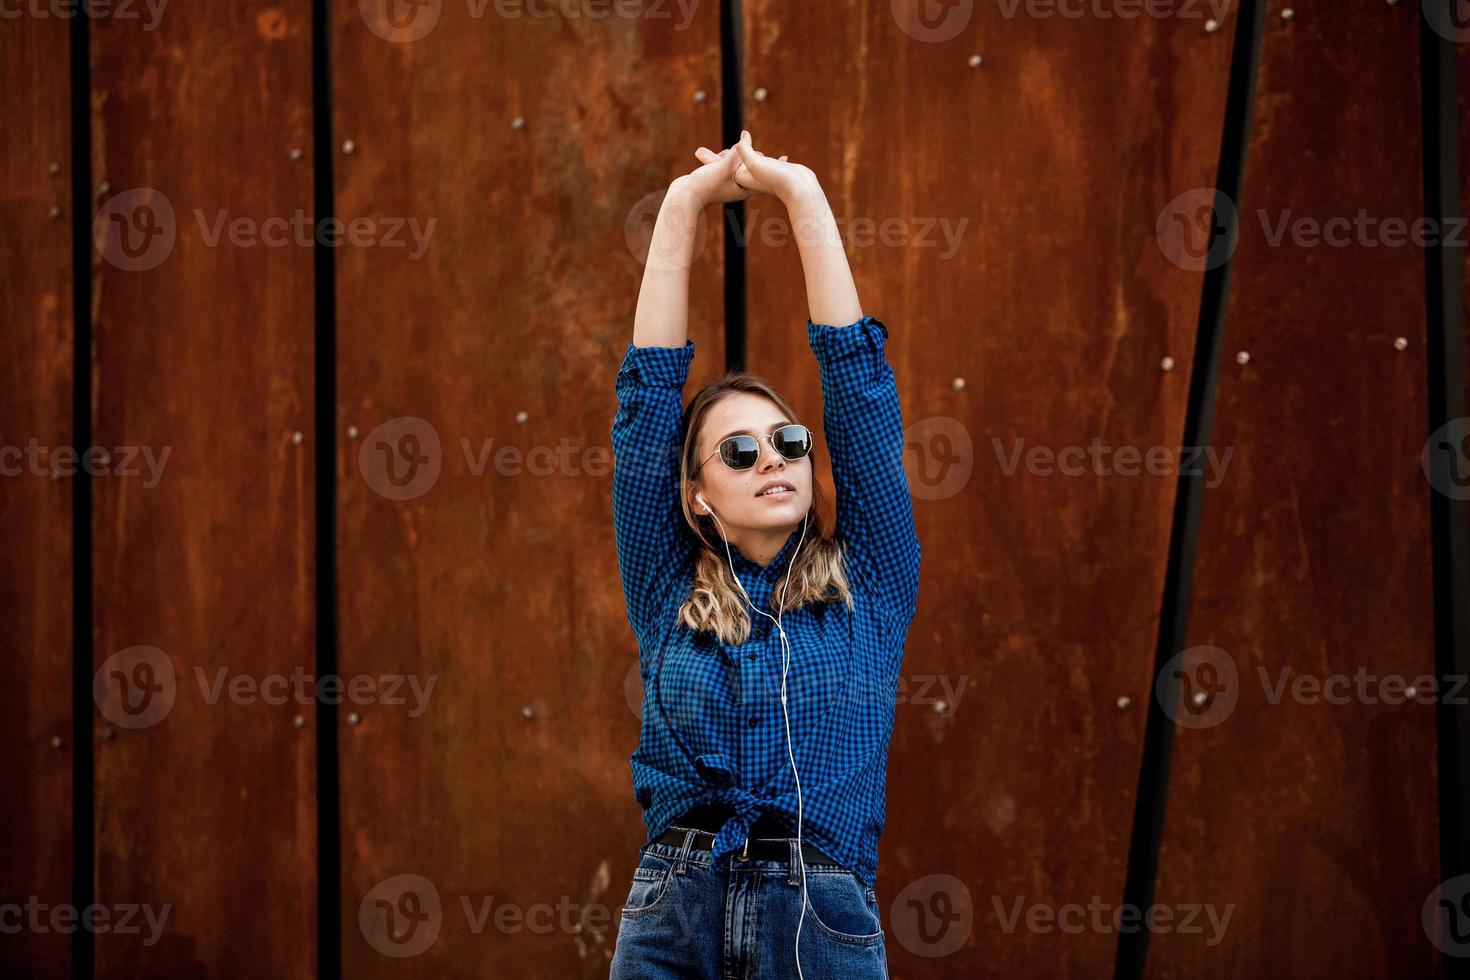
x=700 y=497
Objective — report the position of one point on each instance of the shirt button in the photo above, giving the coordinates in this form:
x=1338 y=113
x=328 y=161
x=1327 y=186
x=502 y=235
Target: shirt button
x=753 y=720
x=751 y=655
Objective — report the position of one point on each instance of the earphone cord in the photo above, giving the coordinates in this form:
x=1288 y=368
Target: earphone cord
x=785 y=664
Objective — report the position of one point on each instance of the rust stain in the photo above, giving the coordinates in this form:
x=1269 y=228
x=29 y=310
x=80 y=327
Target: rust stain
x=272 y=24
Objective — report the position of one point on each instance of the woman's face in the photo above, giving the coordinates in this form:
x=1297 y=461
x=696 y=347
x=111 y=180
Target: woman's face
x=735 y=495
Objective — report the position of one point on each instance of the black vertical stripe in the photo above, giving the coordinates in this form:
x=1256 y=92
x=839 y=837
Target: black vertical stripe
x=1153 y=779
x=1444 y=264
x=328 y=785
x=83 y=866
x=732 y=111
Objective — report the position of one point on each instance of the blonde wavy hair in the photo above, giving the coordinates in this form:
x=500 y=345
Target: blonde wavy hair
x=715 y=602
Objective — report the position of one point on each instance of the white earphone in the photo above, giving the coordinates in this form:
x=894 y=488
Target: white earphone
x=785 y=663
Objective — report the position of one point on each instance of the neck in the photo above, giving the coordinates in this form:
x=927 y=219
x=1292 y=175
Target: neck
x=761 y=544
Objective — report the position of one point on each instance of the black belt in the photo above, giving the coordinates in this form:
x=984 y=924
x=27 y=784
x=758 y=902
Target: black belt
x=755 y=848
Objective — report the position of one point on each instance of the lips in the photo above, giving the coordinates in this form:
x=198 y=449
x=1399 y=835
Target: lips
x=781 y=487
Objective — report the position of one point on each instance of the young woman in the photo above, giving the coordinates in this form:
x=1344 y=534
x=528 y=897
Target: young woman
x=768 y=650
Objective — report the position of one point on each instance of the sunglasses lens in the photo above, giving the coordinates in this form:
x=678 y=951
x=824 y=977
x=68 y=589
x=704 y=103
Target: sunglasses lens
x=740 y=452
x=792 y=441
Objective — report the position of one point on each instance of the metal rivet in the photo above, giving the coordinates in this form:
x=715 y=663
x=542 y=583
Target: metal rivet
x=295 y=153
x=1199 y=698
x=55 y=167
x=298 y=721
x=104 y=457
x=519 y=122
x=1411 y=691
x=761 y=93
x=352 y=432
x=1288 y=14
x=103 y=187
x=1212 y=25
x=56 y=210
x=353 y=718
x=56 y=741
x=526 y=711
x=974 y=61
x=55 y=474
x=959 y=384
x=1400 y=343
x=107 y=734
x=1243 y=357
x=522 y=416
x=348 y=146
x=1124 y=702
x=941 y=707
x=297 y=437
x=700 y=96
x=1167 y=363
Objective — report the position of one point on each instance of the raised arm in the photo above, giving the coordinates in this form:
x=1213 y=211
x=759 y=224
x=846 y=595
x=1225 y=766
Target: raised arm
x=860 y=408
x=863 y=428
x=654 y=546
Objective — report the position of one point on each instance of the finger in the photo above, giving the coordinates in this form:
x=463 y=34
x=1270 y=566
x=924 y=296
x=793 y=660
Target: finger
x=747 y=152
x=705 y=155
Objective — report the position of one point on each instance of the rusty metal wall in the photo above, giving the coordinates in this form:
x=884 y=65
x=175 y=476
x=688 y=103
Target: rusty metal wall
x=1000 y=218
x=475 y=397
x=36 y=510
x=1302 y=796
x=203 y=559
x=1004 y=183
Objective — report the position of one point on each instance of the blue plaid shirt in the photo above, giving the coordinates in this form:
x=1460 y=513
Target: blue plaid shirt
x=712 y=728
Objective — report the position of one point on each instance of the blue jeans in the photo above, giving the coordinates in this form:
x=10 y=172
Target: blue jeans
x=684 y=919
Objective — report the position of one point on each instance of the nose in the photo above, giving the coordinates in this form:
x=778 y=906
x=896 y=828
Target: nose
x=770 y=459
